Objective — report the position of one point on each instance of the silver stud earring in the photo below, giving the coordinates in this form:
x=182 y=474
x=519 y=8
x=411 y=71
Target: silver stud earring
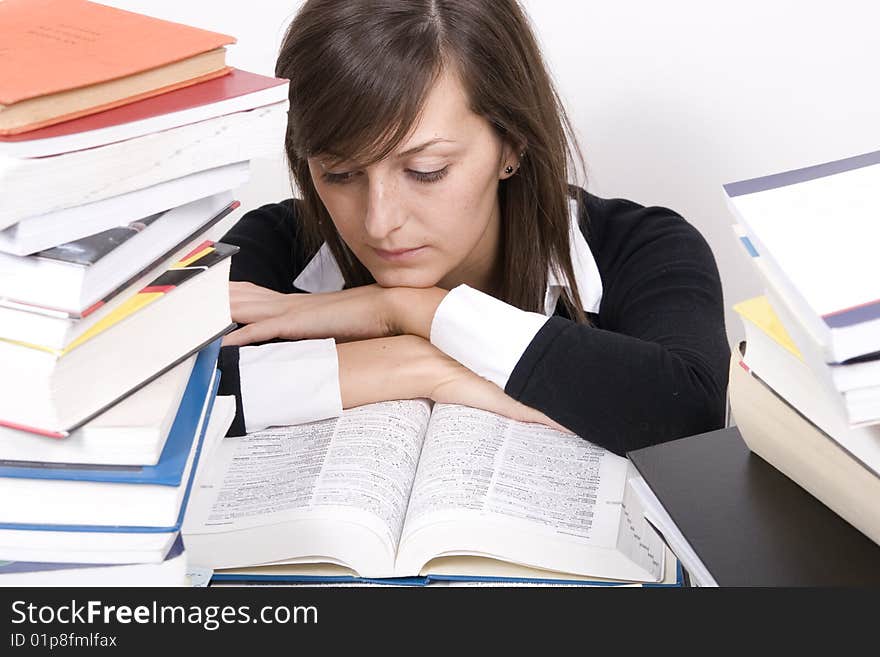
x=508 y=170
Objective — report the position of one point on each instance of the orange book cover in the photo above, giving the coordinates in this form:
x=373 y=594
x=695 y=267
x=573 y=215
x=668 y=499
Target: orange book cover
x=70 y=116
x=47 y=46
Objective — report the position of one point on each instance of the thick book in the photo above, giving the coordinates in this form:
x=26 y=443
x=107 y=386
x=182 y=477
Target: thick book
x=169 y=572
x=853 y=385
x=788 y=376
x=831 y=276
x=389 y=490
x=74 y=276
x=68 y=58
x=133 y=432
x=749 y=524
x=102 y=172
x=54 y=391
x=122 y=544
x=40 y=232
x=236 y=92
x=835 y=470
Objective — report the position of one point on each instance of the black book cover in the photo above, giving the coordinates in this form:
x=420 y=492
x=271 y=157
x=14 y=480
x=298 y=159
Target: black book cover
x=749 y=524
x=89 y=250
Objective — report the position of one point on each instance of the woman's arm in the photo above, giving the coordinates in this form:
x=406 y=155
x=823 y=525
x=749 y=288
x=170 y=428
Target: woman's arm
x=409 y=367
x=296 y=382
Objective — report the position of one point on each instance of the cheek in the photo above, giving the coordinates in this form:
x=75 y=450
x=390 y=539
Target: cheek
x=467 y=210
x=345 y=209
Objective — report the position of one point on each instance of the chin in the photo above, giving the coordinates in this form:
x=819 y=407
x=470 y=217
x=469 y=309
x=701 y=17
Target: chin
x=405 y=278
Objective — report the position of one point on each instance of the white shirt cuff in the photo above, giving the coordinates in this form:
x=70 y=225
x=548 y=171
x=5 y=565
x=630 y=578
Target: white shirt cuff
x=289 y=383
x=483 y=333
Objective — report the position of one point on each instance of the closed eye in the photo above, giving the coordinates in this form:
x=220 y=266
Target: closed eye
x=421 y=176
x=338 y=178
x=428 y=176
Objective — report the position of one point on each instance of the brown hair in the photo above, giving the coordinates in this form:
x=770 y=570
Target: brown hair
x=359 y=71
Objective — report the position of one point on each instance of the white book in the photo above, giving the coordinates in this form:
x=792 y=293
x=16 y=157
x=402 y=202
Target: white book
x=791 y=379
x=387 y=488
x=94 y=544
x=171 y=571
x=859 y=406
x=132 y=432
x=98 y=173
x=74 y=276
x=817 y=229
x=854 y=386
x=784 y=437
x=40 y=232
x=123 y=544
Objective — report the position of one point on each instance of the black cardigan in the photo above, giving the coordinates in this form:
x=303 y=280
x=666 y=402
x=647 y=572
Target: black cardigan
x=651 y=368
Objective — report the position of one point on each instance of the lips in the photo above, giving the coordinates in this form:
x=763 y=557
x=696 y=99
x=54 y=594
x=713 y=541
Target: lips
x=399 y=254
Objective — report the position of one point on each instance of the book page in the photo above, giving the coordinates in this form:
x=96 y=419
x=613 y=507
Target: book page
x=485 y=462
x=357 y=468
x=526 y=493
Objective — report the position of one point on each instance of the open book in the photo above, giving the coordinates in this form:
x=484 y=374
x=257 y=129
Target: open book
x=391 y=489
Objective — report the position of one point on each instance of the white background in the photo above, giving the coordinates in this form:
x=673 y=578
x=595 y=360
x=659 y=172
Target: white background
x=670 y=99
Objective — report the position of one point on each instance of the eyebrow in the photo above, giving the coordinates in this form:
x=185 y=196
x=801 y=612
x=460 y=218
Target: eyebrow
x=421 y=147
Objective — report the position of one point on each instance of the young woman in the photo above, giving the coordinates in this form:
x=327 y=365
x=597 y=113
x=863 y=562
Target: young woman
x=438 y=251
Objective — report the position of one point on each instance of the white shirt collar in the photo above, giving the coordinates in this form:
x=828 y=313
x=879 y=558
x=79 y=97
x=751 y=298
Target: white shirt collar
x=322 y=273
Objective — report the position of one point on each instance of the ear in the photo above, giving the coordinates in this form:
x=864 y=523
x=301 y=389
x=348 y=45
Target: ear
x=511 y=154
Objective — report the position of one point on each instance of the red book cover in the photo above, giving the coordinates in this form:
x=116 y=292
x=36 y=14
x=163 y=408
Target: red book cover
x=236 y=83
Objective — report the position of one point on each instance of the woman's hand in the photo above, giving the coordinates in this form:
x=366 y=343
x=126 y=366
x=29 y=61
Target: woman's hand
x=361 y=313
x=456 y=384
x=356 y=314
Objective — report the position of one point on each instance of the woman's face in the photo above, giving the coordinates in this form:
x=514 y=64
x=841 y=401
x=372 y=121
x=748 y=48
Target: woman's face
x=428 y=213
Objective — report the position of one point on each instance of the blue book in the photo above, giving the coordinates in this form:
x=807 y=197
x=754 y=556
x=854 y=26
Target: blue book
x=674 y=579
x=102 y=512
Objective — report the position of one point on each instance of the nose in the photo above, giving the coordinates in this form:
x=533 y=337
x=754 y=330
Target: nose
x=384 y=212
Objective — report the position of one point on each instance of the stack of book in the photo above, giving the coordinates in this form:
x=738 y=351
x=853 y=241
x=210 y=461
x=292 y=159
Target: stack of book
x=805 y=386
x=121 y=139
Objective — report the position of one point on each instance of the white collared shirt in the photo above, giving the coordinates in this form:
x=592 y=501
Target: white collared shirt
x=486 y=335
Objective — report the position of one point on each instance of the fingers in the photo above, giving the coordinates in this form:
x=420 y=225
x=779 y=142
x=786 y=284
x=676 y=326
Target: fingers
x=251 y=303
x=258 y=332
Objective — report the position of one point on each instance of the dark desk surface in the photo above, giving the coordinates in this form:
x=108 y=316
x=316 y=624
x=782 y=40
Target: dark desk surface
x=749 y=524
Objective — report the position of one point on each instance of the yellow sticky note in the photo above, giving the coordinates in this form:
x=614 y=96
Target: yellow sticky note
x=760 y=313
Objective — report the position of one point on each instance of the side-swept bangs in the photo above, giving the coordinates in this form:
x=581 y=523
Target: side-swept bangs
x=381 y=72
